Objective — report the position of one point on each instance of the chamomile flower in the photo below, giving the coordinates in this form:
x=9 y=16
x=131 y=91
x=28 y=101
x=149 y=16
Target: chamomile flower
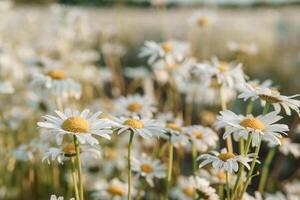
x=143 y=127
x=114 y=190
x=184 y=190
x=203 y=137
x=114 y=159
x=135 y=105
x=54 y=197
x=225 y=161
x=201 y=19
x=261 y=126
x=273 y=97
x=73 y=123
x=242 y=48
x=67 y=151
x=288 y=147
x=174 y=132
x=146 y=167
x=172 y=48
x=58 y=82
x=203 y=189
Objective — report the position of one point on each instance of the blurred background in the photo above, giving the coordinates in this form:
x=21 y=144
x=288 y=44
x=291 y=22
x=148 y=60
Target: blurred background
x=271 y=27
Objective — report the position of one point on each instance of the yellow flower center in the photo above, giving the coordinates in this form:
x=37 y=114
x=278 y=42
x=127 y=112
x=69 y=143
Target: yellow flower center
x=134 y=107
x=147 y=168
x=188 y=191
x=69 y=150
x=57 y=74
x=202 y=21
x=173 y=126
x=208 y=117
x=198 y=134
x=167 y=47
x=116 y=190
x=226 y=156
x=253 y=123
x=223 y=67
x=134 y=123
x=221 y=175
x=76 y=125
x=111 y=154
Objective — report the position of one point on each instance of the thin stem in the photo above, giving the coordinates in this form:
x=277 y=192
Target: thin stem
x=266 y=108
x=249 y=107
x=74 y=178
x=170 y=167
x=224 y=107
x=221 y=191
x=265 y=170
x=194 y=158
x=227 y=186
x=252 y=167
x=77 y=149
x=129 y=164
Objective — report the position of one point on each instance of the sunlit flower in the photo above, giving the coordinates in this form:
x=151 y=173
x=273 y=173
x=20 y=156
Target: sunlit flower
x=288 y=147
x=203 y=189
x=273 y=97
x=135 y=105
x=225 y=161
x=67 y=151
x=58 y=82
x=242 y=48
x=202 y=137
x=146 y=167
x=261 y=126
x=74 y=123
x=184 y=189
x=143 y=127
x=114 y=190
x=201 y=19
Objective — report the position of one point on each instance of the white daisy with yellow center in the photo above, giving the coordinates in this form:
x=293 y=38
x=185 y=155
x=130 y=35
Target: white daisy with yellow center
x=262 y=126
x=148 y=168
x=143 y=127
x=74 y=123
x=272 y=96
x=58 y=83
x=225 y=161
x=114 y=189
x=203 y=137
x=135 y=105
x=67 y=151
x=288 y=147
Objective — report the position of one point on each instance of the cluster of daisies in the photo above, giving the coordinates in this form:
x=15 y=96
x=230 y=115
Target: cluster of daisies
x=168 y=130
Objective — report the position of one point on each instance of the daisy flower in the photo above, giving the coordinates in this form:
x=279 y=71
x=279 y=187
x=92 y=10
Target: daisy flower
x=261 y=126
x=201 y=19
x=225 y=161
x=174 y=133
x=184 y=189
x=148 y=168
x=54 y=197
x=67 y=151
x=288 y=147
x=203 y=138
x=74 y=123
x=57 y=81
x=242 y=48
x=273 y=97
x=155 y=51
x=203 y=189
x=135 y=105
x=114 y=159
x=143 y=127
x=114 y=190
x=26 y=152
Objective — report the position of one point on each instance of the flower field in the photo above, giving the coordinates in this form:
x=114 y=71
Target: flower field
x=154 y=103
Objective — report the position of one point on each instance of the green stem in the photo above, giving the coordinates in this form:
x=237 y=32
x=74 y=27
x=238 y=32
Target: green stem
x=265 y=170
x=252 y=167
x=194 y=158
x=266 y=108
x=221 y=191
x=129 y=164
x=77 y=148
x=170 y=167
x=227 y=186
x=249 y=107
x=224 y=107
x=74 y=178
